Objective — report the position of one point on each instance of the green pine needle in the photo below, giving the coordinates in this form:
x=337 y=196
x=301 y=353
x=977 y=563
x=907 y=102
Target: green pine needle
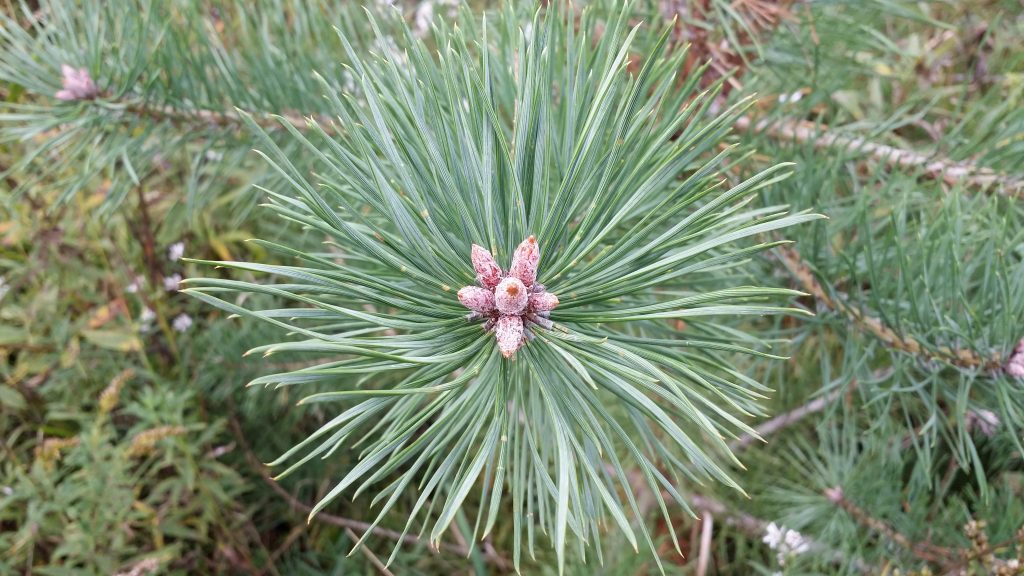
x=614 y=170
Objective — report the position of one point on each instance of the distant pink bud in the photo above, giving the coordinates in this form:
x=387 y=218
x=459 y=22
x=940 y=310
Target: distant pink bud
x=488 y=273
x=525 y=260
x=511 y=297
x=834 y=494
x=1015 y=366
x=76 y=84
x=1015 y=369
x=986 y=421
x=477 y=299
x=543 y=301
x=509 y=331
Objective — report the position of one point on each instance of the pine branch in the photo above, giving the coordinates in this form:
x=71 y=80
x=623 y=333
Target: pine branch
x=957 y=357
x=441 y=183
x=755 y=527
x=232 y=120
x=935 y=167
x=922 y=550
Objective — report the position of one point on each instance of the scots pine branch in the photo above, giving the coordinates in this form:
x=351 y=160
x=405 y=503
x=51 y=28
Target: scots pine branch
x=508 y=251
x=113 y=91
x=933 y=166
x=958 y=357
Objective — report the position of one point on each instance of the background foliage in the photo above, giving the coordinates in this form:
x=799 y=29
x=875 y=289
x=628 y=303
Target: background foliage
x=130 y=445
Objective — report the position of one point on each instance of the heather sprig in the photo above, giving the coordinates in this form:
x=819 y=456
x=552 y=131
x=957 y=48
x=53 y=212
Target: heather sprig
x=443 y=157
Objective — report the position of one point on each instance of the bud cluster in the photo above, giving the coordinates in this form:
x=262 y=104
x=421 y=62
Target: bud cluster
x=510 y=304
x=76 y=85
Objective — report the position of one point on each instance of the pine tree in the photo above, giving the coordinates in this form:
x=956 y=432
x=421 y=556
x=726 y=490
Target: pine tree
x=547 y=276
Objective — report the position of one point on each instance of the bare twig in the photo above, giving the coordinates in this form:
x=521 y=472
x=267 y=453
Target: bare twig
x=706 y=532
x=740 y=520
x=756 y=527
x=783 y=420
x=217 y=119
x=146 y=237
x=369 y=554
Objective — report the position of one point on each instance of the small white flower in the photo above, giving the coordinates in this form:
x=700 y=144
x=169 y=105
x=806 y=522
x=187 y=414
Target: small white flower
x=773 y=536
x=424 y=15
x=794 y=97
x=787 y=543
x=795 y=542
x=986 y=421
x=213 y=155
x=176 y=251
x=135 y=285
x=181 y=322
x=4 y=287
x=147 y=315
x=171 y=282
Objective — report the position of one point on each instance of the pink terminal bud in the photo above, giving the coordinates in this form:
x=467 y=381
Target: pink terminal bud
x=525 y=260
x=515 y=305
x=476 y=298
x=511 y=297
x=509 y=332
x=77 y=84
x=1015 y=366
x=834 y=494
x=1015 y=369
x=488 y=273
x=543 y=301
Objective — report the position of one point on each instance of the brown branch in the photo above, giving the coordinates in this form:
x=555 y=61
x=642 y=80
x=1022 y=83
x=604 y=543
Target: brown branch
x=922 y=550
x=933 y=166
x=369 y=554
x=756 y=527
x=952 y=560
x=202 y=117
x=143 y=232
x=958 y=357
x=740 y=520
x=783 y=420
